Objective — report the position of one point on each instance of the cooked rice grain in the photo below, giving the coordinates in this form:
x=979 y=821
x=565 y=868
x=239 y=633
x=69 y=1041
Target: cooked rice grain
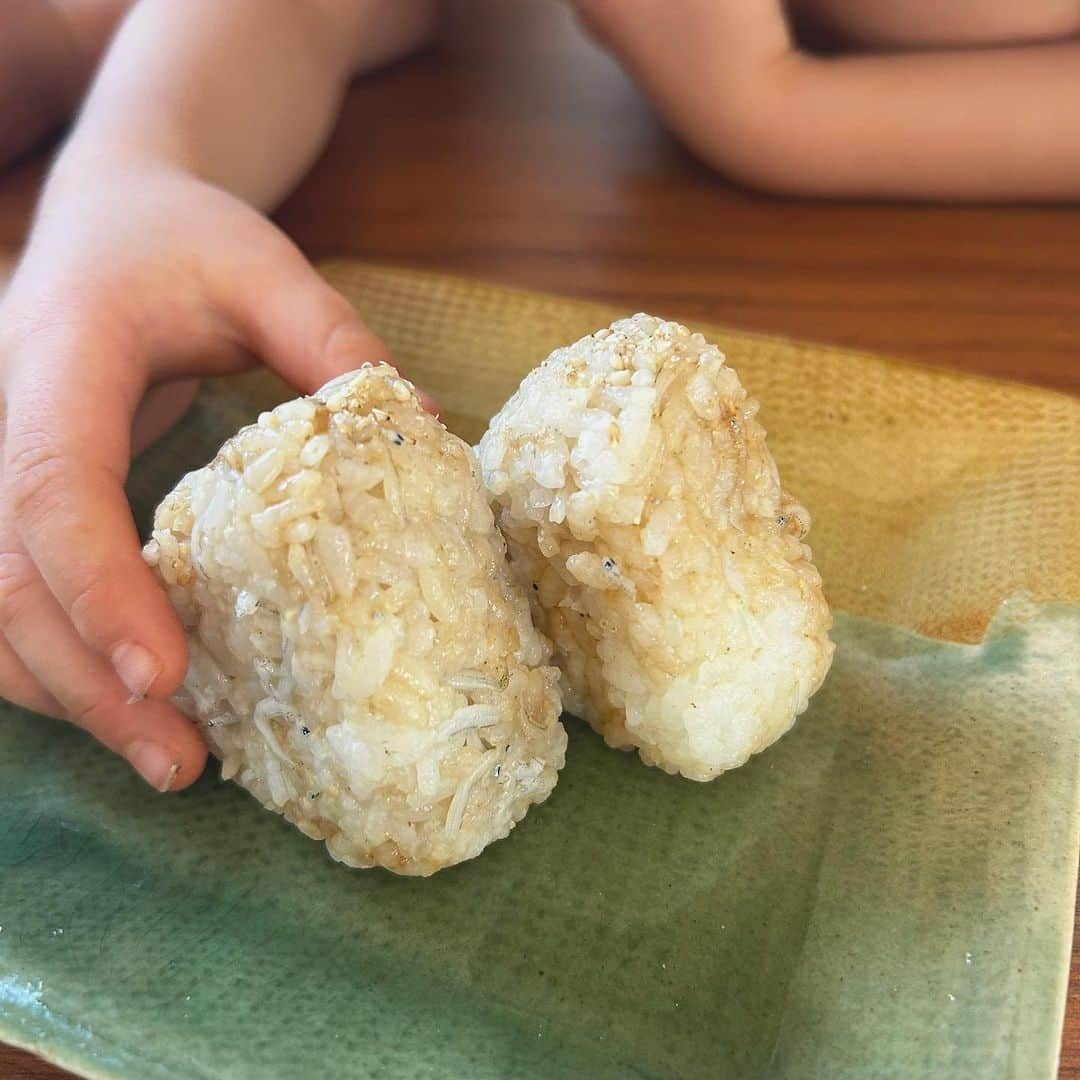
x=359 y=659
x=644 y=514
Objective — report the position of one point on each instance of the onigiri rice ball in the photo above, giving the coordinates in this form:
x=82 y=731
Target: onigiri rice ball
x=645 y=517
x=360 y=660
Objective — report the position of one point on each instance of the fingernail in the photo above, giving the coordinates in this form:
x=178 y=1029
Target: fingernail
x=154 y=763
x=137 y=669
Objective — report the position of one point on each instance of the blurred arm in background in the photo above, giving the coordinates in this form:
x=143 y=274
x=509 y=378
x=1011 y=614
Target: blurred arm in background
x=970 y=101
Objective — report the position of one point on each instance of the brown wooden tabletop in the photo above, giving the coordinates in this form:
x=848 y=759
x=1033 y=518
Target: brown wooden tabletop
x=516 y=151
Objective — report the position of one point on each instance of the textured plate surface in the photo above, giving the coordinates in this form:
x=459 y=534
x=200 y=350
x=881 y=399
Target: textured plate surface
x=887 y=891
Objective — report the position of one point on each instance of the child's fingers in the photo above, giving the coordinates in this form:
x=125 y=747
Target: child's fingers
x=298 y=324
x=70 y=400
x=18 y=686
x=294 y=321
x=158 y=740
x=162 y=407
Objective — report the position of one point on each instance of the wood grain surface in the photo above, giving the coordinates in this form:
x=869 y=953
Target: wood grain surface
x=515 y=151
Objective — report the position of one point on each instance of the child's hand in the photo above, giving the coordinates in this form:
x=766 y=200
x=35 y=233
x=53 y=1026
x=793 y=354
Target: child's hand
x=142 y=272
x=137 y=276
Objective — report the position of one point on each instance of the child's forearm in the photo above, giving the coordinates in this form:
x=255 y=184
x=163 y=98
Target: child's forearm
x=242 y=93
x=968 y=124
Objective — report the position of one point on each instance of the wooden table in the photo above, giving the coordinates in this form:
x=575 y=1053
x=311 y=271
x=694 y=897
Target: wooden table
x=517 y=152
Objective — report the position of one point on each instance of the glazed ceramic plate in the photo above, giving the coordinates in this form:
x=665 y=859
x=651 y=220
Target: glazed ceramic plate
x=886 y=892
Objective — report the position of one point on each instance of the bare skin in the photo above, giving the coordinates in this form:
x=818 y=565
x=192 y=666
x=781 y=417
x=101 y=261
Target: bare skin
x=151 y=262
x=965 y=101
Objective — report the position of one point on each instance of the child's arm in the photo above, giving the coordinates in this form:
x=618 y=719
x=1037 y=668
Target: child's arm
x=955 y=124
x=241 y=94
x=148 y=264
